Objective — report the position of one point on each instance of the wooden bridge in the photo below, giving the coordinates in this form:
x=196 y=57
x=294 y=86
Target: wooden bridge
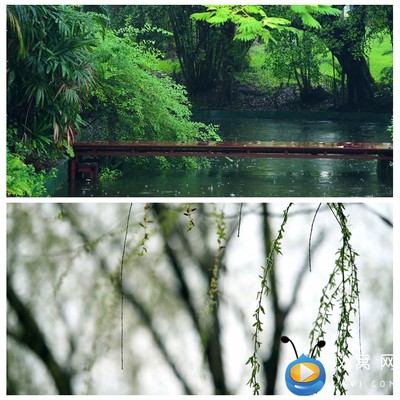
x=86 y=151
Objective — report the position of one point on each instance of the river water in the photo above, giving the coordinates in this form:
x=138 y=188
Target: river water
x=262 y=177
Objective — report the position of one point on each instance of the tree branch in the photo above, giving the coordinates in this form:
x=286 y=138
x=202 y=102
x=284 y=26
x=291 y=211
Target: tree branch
x=133 y=301
x=210 y=338
x=31 y=336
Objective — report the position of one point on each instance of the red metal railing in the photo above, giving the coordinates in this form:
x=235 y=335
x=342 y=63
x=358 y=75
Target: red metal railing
x=256 y=149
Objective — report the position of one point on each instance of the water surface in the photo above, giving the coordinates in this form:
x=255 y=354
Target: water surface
x=255 y=177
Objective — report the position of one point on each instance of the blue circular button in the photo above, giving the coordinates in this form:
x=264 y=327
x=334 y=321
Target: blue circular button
x=305 y=376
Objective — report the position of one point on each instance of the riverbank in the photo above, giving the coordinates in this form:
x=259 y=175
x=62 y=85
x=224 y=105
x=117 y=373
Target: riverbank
x=285 y=98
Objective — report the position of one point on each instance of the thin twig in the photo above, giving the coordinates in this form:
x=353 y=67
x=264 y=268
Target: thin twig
x=240 y=219
x=311 y=231
x=122 y=292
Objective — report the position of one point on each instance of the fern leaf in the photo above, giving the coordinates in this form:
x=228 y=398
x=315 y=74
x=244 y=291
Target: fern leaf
x=273 y=22
x=327 y=10
x=254 y=9
x=305 y=13
x=202 y=16
x=310 y=21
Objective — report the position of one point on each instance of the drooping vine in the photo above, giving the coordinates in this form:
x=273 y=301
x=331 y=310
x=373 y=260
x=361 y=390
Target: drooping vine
x=342 y=289
x=221 y=238
x=267 y=270
x=145 y=225
x=189 y=214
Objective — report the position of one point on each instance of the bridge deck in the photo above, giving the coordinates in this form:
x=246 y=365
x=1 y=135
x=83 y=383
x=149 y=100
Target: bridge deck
x=338 y=150
x=366 y=151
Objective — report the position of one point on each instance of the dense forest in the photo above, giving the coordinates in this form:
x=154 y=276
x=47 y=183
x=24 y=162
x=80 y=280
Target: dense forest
x=136 y=72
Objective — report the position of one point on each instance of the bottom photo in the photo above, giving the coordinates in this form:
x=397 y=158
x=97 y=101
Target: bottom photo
x=200 y=298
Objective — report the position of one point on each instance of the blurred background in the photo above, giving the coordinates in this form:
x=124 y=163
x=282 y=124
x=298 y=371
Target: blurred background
x=190 y=278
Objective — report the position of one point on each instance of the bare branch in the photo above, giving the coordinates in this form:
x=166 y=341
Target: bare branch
x=31 y=336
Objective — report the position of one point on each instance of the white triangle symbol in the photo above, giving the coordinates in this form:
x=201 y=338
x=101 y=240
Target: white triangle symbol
x=305 y=372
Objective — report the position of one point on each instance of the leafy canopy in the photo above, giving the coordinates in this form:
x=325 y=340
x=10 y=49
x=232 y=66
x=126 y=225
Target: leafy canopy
x=253 y=21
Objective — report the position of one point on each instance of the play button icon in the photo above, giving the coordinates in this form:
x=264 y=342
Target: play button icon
x=304 y=372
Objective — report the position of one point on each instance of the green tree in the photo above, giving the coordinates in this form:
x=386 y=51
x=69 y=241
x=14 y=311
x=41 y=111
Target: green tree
x=208 y=56
x=254 y=21
x=301 y=61
x=48 y=76
x=282 y=29
x=134 y=101
x=348 y=39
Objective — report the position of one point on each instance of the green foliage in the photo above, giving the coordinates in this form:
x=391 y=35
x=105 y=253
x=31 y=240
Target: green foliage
x=390 y=129
x=305 y=13
x=163 y=293
x=22 y=180
x=169 y=67
x=208 y=54
x=300 y=61
x=133 y=101
x=259 y=74
x=380 y=58
x=109 y=173
x=345 y=294
x=253 y=21
x=267 y=270
x=350 y=39
x=145 y=226
x=221 y=239
x=189 y=214
x=48 y=72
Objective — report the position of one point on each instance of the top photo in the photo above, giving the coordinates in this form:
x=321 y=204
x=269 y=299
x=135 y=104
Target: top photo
x=199 y=101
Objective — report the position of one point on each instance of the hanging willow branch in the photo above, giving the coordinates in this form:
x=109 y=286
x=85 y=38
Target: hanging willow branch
x=267 y=270
x=122 y=292
x=311 y=232
x=145 y=225
x=342 y=289
x=189 y=214
x=221 y=239
x=240 y=219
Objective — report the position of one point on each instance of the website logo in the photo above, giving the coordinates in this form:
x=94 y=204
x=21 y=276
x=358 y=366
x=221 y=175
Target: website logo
x=305 y=375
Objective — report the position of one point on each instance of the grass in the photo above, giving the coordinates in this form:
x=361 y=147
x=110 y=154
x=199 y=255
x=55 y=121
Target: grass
x=380 y=56
x=258 y=74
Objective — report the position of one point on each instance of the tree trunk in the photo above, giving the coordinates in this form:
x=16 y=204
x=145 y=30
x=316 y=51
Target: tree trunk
x=345 y=38
x=359 y=80
x=208 y=56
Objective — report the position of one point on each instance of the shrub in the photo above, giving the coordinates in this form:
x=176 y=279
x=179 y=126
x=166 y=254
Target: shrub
x=22 y=180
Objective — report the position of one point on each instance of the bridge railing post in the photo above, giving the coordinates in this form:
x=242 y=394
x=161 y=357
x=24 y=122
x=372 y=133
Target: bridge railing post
x=72 y=173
